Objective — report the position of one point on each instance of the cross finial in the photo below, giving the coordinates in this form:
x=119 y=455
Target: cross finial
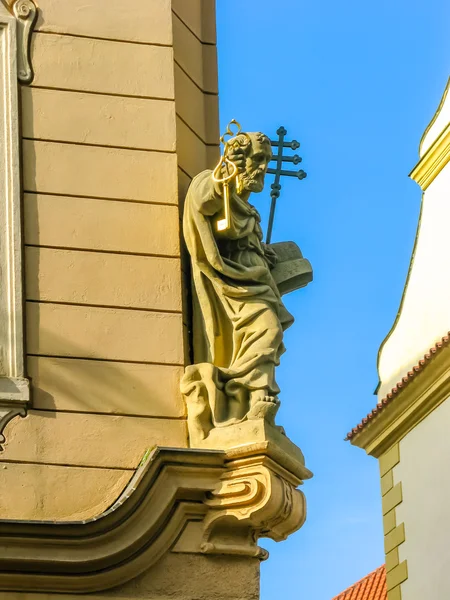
x=279 y=172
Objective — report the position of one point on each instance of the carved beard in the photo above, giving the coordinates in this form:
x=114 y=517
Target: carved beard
x=254 y=181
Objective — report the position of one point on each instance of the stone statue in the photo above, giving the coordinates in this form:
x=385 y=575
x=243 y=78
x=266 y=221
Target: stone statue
x=238 y=313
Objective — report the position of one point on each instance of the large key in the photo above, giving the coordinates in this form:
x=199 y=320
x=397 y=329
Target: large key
x=225 y=223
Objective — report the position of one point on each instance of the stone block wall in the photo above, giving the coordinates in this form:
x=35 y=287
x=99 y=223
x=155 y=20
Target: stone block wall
x=121 y=114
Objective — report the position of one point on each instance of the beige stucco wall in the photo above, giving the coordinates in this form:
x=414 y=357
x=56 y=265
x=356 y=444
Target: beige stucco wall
x=423 y=474
x=122 y=113
x=178 y=577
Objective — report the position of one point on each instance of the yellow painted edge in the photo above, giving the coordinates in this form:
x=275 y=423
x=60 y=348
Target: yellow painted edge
x=392 y=559
x=398 y=575
x=395 y=594
x=387 y=482
x=389 y=521
x=396 y=572
x=394 y=538
x=433 y=161
x=392 y=499
x=389 y=459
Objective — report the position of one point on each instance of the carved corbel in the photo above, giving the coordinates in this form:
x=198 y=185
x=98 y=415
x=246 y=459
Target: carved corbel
x=256 y=497
x=25 y=12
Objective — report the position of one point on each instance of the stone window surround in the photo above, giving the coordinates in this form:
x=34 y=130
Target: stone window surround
x=14 y=43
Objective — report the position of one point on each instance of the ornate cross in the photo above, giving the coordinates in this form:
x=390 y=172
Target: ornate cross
x=278 y=171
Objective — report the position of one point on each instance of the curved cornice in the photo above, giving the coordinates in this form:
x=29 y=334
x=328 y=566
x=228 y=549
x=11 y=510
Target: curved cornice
x=433 y=161
x=239 y=496
x=121 y=543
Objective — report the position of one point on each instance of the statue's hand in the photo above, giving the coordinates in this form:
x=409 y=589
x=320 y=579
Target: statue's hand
x=236 y=156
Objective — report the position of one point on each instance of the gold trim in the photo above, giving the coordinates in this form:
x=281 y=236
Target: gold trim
x=433 y=161
x=436 y=114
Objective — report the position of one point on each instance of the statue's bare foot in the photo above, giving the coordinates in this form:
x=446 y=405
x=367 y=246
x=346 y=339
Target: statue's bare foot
x=257 y=396
x=263 y=406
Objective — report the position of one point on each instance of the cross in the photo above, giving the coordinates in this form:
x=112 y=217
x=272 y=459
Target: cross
x=280 y=158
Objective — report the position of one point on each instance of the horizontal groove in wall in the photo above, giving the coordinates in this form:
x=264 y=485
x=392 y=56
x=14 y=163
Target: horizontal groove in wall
x=185 y=172
x=60 y=195
x=193 y=32
x=109 y=360
x=196 y=134
x=194 y=82
x=110 y=414
x=148 y=150
x=69 y=90
x=106 y=306
x=104 y=39
x=72 y=249
x=74 y=466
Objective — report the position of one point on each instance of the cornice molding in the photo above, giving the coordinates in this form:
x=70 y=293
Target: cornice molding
x=81 y=557
x=234 y=499
x=433 y=161
x=413 y=403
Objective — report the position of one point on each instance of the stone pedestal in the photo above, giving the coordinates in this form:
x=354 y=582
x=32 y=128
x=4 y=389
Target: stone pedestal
x=257 y=495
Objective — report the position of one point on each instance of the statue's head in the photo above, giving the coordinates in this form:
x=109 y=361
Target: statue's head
x=258 y=153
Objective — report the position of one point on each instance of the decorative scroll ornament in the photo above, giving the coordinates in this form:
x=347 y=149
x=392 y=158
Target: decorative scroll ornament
x=26 y=14
x=255 y=498
x=178 y=500
x=7 y=413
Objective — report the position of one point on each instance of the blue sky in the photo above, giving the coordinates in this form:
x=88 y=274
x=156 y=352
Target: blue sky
x=356 y=83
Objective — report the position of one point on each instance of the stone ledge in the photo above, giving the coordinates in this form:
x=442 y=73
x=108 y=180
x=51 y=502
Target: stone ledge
x=257 y=437
x=166 y=492
x=221 y=502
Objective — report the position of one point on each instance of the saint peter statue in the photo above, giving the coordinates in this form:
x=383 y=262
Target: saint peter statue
x=238 y=316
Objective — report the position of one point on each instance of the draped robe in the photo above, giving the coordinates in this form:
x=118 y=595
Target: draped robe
x=239 y=317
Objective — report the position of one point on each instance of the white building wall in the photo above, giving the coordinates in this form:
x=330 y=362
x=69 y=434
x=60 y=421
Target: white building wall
x=425 y=312
x=424 y=471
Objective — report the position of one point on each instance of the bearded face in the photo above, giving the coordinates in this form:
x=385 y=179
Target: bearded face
x=252 y=179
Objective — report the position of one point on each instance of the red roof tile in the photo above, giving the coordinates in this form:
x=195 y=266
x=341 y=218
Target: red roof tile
x=400 y=385
x=370 y=587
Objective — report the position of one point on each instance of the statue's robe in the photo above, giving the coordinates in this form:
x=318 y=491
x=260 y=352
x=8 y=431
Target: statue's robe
x=239 y=317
